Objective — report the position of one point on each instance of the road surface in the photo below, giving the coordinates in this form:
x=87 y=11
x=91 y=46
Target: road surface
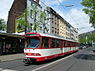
x=83 y=60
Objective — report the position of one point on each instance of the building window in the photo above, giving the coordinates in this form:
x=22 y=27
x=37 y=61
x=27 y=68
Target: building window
x=40 y=28
x=52 y=27
x=55 y=32
x=31 y=3
x=55 y=23
x=55 y=28
x=52 y=21
x=31 y=14
x=52 y=31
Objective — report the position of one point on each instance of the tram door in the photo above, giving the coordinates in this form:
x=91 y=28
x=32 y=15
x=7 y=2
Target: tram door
x=0 y=47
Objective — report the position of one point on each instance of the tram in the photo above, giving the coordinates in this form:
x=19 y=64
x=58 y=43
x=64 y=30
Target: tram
x=41 y=47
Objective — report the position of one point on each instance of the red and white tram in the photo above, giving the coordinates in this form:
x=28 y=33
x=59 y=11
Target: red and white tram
x=40 y=47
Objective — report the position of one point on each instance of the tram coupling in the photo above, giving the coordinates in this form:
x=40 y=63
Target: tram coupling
x=29 y=60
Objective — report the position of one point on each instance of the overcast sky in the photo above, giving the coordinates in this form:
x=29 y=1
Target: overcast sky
x=74 y=15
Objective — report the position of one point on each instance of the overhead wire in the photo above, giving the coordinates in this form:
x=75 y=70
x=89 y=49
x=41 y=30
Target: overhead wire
x=72 y=19
x=68 y=13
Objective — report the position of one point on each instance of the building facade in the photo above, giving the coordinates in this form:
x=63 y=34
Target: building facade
x=53 y=21
x=59 y=26
x=16 y=10
x=62 y=27
x=87 y=38
x=40 y=18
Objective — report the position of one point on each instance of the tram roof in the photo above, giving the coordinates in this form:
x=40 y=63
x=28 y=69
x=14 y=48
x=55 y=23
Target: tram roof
x=53 y=36
x=56 y=36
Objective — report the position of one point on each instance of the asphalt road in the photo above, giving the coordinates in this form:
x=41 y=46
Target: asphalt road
x=83 y=60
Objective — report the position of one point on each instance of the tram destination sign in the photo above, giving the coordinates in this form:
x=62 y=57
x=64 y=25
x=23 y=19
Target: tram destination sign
x=30 y=34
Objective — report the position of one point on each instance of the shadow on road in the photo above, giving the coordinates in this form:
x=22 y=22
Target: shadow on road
x=85 y=56
x=51 y=60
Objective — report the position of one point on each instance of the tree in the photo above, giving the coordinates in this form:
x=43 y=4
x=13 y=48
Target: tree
x=38 y=22
x=34 y=14
x=90 y=10
x=43 y=19
x=89 y=39
x=22 y=23
x=3 y=26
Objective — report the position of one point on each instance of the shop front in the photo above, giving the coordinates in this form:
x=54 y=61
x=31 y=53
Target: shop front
x=11 y=43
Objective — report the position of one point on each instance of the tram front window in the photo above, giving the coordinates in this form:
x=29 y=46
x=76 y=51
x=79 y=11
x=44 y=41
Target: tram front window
x=32 y=42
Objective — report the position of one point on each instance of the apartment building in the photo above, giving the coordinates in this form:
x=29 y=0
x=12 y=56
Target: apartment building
x=73 y=33
x=62 y=27
x=87 y=38
x=18 y=7
x=68 y=30
x=54 y=21
x=59 y=26
x=16 y=10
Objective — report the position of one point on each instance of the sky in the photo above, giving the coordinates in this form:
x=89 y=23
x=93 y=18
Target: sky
x=74 y=14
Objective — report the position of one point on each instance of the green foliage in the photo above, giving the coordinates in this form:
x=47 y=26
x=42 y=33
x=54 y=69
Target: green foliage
x=21 y=22
x=41 y=20
x=34 y=14
x=90 y=38
x=90 y=10
x=37 y=16
x=35 y=11
x=43 y=16
x=3 y=26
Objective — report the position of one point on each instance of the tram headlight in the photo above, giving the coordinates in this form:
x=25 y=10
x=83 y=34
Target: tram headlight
x=33 y=54
x=37 y=54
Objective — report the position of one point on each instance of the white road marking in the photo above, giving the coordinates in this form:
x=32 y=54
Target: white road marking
x=1 y=69
x=52 y=63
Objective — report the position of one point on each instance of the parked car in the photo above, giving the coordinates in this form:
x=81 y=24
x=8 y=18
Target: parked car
x=82 y=47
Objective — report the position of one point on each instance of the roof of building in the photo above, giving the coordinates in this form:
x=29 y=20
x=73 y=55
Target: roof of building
x=11 y=35
x=87 y=33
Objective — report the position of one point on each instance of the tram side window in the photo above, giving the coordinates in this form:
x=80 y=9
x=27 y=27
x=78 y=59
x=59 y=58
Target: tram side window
x=55 y=43
x=45 y=42
x=64 y=43
x=69 y=44
x=74 y=44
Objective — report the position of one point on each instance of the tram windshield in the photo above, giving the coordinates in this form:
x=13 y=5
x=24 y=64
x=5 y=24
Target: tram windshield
x=32 y=42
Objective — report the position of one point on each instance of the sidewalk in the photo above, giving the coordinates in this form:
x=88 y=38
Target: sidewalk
x=11 y=57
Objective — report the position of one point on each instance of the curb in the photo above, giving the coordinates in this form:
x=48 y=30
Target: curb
x=10 y=60
x=11 y=57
